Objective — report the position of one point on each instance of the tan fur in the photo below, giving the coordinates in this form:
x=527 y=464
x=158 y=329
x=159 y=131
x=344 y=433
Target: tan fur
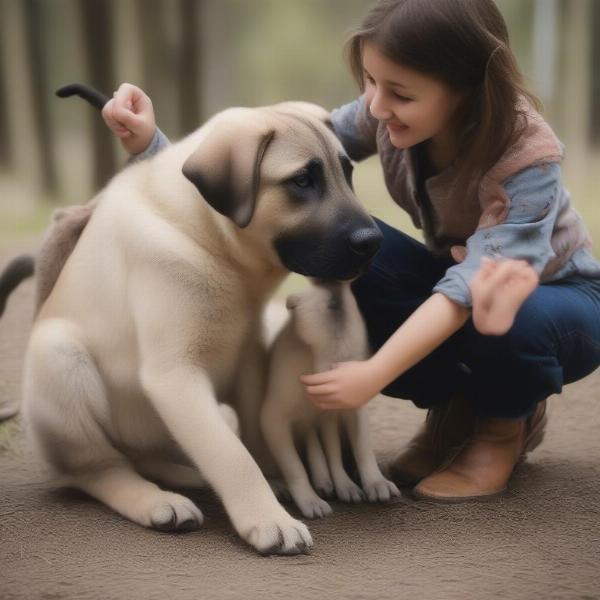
x=154 y=321
x=325 y=327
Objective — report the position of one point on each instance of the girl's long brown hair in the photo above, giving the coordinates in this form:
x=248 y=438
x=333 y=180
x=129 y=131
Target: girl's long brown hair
x=465 y=44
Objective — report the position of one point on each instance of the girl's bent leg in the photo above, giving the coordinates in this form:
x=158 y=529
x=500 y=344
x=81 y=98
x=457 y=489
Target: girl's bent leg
x=399 y=280
x=555 y=340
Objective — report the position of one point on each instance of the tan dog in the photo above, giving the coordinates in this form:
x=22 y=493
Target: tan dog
x=155 y=318
x=325 y=327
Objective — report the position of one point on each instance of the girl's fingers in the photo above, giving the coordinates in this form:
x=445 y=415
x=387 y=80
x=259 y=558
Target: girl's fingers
x=118 y=119
x=487 y=267
x=130 y=97
x=321 y=390
x=326 y=402
x=127 y=119
x=507 y=269
x=316 y=378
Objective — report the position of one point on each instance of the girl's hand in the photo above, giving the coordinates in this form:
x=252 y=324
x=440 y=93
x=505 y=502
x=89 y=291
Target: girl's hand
x=498 y=289
x=347 y=385
x=130 y=115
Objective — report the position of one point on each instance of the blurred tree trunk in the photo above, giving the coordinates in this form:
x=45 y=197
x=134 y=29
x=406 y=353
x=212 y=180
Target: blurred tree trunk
x=575 y=82
x=218 y=28
x=594 y=73
x=189 y=75
x=96 y=21
x=545 y=42
x=40 y=92
x=160 y=32
x=5 y=136
x=24 y=146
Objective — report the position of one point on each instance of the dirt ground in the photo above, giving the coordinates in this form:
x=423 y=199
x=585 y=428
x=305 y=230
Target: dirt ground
x=541 y=540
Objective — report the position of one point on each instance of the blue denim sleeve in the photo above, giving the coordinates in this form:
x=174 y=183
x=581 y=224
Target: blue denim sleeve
x=159 y=141
x=524 y=235
x=356 y=129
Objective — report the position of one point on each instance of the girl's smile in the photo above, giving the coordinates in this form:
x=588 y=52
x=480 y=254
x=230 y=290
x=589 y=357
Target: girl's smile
x=413 y=106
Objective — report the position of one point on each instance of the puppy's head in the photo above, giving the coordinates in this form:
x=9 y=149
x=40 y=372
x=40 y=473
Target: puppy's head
x=318 y=313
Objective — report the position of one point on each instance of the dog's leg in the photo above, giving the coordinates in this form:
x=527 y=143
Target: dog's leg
x=169 y=473
x=374 y=484
x=181 y=391
x=317 y=464
x=345 y=488
x=250 y=392
x=119 y=486
x=279 y=437
x=66 y=408
x=198 y=427
x=178 y=475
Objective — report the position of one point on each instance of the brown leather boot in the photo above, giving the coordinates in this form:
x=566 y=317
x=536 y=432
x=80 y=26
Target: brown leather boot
x=445 y=430
x=484 y=465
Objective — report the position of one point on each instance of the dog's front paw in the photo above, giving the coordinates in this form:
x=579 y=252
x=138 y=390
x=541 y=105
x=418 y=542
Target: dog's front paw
x=380 y=490
x=172 y=512
x=283 y=535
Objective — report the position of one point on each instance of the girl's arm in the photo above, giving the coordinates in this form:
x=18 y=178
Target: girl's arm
x=352 y=384
x=430 y=325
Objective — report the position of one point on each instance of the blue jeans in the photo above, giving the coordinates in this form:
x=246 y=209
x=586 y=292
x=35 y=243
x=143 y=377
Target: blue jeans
x=555 y=338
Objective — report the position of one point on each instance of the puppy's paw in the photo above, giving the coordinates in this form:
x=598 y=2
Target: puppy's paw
x=348 y=491
x=324 y=487
x=380 y=490
x=313 y=507
x=173 y=512
x=283 y=535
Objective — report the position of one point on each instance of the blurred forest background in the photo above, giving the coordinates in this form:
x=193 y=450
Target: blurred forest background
x=195 y=57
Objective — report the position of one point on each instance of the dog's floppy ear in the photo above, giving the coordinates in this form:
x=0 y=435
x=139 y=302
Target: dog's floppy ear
x=226 y=166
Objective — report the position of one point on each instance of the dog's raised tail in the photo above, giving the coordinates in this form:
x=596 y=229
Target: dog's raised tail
x=94 y=97
x=18 y=269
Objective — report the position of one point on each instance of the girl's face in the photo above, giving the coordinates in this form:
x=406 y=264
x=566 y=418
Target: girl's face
x=414 y=107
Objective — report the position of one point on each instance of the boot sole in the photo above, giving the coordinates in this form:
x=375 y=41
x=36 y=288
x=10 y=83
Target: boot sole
x=457 y=499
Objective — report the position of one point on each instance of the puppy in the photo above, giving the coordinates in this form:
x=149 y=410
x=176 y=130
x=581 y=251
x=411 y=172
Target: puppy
x=325 y=327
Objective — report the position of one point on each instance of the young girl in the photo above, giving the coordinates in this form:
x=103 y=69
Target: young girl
x=467 y=155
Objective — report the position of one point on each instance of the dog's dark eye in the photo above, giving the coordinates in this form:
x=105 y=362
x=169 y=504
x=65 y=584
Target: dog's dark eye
x=303 y=181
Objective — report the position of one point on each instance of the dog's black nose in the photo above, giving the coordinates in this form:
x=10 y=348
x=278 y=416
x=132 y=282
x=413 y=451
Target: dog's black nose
x=366 y=241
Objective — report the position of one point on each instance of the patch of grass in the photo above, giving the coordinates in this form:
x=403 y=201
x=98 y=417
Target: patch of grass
x=8 y=434
x=17 y=226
